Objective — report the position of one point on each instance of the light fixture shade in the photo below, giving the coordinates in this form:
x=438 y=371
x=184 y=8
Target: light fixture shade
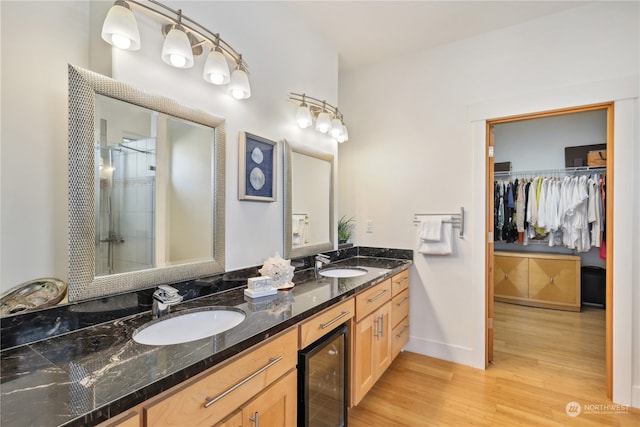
x=239 y=84
x=345 y=133
x=323 y=124
x=120 y=28
x=176 y=50
x=303 y=116
x=336 y=127
x=216 y=68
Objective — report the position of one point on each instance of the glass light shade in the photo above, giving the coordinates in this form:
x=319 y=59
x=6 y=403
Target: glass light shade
x=239 y=84
x=216 y=68
x=303 y=116
x=323 y=124
x=336 y=128
x=120 y=28
x=176 y=50
x=345 y=134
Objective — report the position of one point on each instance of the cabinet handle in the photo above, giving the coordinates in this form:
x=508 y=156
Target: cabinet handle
x=377 y=322
x=402 y=281
x=403 y=301
x=506 y=276
x=551 y=279
x=399 y=334
x=211 y=401
x=372 y=299
x=382 y=325
x=331 y=322
x=255 y=419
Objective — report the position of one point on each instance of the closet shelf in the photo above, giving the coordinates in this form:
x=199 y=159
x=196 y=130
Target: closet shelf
x=565 y=171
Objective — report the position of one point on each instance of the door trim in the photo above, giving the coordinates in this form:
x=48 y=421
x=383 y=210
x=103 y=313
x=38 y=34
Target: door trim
x=490 y=123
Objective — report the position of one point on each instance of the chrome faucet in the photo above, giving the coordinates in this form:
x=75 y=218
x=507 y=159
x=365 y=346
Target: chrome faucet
x=163 y=298
x=321 y=261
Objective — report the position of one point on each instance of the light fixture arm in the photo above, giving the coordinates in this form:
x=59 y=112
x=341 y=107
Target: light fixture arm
x=193 y=27
x=315 y=105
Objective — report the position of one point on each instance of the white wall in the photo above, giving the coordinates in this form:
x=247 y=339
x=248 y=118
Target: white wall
x=283 y=56
x=413 y=149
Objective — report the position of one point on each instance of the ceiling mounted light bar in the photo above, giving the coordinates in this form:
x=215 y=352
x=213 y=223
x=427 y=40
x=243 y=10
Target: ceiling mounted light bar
x=328 y=119
x=184 y=39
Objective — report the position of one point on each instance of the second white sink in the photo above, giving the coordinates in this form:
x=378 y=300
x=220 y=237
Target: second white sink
x=343 y=272
x=189 y=325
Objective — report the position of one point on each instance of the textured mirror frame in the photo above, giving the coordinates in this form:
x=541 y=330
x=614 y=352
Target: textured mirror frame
x=289 y=250
x=83 y=86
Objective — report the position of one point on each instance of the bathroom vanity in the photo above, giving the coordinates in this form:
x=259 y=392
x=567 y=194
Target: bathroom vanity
x=100 y=376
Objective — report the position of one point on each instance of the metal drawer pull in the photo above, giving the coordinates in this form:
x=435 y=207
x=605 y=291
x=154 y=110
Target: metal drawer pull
x=402 y=281
x=211 y=401
x=399 y=334
x=255 y=419
x=331 y=322
x=403 y=301
x=382 y=325
x=377 y=322
x=378 y=296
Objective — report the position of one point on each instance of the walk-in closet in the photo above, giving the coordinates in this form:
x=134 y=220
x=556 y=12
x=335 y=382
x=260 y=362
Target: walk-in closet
x=549 y=213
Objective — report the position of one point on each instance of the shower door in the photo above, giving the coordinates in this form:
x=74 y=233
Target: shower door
x=125 y=204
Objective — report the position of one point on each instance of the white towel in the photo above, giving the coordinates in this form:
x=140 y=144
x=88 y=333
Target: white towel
x=443 y=247
x=431 y=230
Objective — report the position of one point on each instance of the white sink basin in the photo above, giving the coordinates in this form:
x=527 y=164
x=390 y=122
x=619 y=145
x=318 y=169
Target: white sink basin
x=189 y=326
x=343 y=272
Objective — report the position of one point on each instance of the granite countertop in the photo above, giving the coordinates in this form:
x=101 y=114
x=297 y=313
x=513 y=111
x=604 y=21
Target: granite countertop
x=87 y=376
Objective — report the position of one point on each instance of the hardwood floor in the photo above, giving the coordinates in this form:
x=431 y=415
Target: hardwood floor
x=544 y=359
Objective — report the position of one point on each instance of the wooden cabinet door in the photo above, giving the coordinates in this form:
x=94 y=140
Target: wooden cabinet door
x=131 y=419
x=274 y=407
x=511 y=276
x=554 y=280
x=382 y=343
x=234 y=420
x=362 y=351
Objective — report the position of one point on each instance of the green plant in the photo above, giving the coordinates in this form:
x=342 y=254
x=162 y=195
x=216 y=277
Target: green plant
x=345 y=228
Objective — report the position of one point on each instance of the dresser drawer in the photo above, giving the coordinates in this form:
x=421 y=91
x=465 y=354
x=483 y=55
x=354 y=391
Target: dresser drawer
x=325 y=321
x=399 y=337
x=373 y=298
x=399 y=307
x=241 y=379
x=400 y=282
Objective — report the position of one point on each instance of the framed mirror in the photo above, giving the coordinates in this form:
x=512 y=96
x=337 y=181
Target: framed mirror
x=146 y=189
x=308 y=204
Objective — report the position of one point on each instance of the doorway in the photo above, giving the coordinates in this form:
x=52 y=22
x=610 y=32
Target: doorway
x=607 y=108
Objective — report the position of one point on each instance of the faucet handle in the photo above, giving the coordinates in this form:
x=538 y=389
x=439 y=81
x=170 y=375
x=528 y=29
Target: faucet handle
x=167 y=290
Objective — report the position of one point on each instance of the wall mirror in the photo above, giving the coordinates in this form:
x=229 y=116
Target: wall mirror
x=308 y=202
x=146 y=189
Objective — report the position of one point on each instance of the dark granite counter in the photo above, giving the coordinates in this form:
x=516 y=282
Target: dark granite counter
x=86 y=376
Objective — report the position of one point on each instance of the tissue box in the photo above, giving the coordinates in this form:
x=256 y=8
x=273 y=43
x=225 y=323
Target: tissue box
x=259 y=287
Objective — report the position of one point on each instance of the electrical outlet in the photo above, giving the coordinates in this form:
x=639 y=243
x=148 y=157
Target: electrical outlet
x=369 y=226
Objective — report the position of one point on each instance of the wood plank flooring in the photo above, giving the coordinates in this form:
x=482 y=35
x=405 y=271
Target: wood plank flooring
x=544 y=359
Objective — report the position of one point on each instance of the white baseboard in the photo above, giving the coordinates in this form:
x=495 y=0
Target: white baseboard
x=440 y=350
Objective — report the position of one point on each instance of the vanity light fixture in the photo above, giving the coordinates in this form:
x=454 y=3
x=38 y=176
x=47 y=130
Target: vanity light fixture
x=184 y=39
x=328 y=118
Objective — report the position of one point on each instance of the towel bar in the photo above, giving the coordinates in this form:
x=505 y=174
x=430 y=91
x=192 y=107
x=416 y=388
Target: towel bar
x=457 y=219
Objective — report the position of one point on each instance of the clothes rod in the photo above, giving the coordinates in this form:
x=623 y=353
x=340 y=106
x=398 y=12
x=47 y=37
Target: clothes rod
x=457 y=219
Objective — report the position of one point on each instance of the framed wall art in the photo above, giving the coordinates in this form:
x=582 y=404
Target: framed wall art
x=257 y=168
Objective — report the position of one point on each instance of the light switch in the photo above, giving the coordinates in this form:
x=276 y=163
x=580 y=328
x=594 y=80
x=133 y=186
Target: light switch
x=369 y=226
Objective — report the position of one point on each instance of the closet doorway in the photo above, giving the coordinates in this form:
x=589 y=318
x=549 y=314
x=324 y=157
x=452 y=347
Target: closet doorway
x=605 y=109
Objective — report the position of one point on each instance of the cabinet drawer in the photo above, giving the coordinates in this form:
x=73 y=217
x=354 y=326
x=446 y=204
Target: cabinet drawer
x=372 y=299
x=232 y=385
x=399 y=337
x=399 y=307
x=325 y=321
x=131 y=419
x=511 y=276
x=400 y=282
